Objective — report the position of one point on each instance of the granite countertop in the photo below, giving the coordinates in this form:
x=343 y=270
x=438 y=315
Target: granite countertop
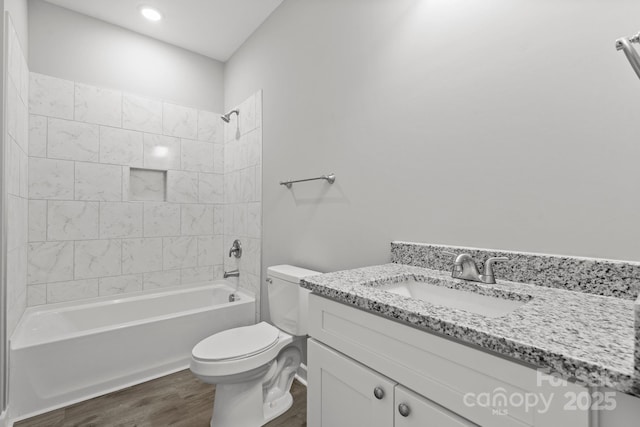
x=581 y=336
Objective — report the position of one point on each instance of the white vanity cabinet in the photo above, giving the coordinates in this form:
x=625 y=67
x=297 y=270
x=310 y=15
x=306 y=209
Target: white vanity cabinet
x=440 y=381
x=344 y=393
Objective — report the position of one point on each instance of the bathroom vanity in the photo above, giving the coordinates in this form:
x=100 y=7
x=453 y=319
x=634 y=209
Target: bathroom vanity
x=401 y=345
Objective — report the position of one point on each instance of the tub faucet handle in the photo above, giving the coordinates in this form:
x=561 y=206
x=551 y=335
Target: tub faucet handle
x=236 y=249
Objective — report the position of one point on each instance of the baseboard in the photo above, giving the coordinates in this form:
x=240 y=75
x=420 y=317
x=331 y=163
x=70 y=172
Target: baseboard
x=301 y=376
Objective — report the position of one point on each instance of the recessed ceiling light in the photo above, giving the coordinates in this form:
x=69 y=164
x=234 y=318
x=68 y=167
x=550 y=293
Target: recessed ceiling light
x=150 y=13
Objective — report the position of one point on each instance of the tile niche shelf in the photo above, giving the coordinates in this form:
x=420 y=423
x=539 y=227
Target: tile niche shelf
x=147 y=185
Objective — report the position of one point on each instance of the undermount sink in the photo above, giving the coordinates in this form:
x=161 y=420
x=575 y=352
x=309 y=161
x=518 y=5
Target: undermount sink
x=472 y=302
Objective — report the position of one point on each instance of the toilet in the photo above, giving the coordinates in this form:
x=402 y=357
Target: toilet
x=253 y=366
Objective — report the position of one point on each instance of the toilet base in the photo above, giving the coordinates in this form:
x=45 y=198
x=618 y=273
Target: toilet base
x=260 y=395
x=278 y=407
x=234 y=403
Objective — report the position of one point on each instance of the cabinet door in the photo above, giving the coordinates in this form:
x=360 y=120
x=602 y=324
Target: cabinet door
x=342 y=393
x=413 y=410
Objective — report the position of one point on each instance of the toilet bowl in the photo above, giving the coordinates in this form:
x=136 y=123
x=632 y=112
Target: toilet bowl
x=253 y=366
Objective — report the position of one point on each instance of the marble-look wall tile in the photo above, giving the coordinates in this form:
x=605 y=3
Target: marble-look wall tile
x=24 y=81
x=231 y=129
x=254 y=220
x=24 y=174
x=161 y=279
x=72 y=220
x=197 y=156
x=258 y=187
x=69 y=140
x=98 y=105
x=161 y=219
x=208 y=125
x=13 y=167
x=14 y=54
x=100 y=242
x=126 y=183
x=218 y=158
x=180 y=252
x=143 y=114
x=196 y=275
x=182 y=187
x=98 y=258
x=51 y=97
x=22 y=126
x=120 y=220
x=218 y=219
x=51 y=179
x=37 y=136
x=37 y=220
x=50 y=262
x=250 y=260
x=197 y=220
x=120 y=284
x=240 y=219
x=218 y=272
x=248 y=185
x=210 y=188
x=98 y=182
x=121 y=147
x=16 y=294
x=16 y=210
x=141 y=255
x=11 y=116
x=247 y=116
x=147 y=185
x=36 y=295
x=72 y=290
x=254 y=148
x=161 y=152
x=179 y=121
x=210 y=250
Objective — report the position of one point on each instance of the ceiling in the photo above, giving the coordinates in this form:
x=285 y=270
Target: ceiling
x=214 y=28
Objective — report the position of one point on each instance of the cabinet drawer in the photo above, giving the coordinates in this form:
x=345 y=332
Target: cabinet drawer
x=450 y=374
x=423 y=412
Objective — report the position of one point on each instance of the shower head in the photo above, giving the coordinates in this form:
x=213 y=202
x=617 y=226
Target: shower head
x=624 y=44
x=227 y=117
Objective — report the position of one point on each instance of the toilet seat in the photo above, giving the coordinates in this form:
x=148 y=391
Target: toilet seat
x=205 y=364
x=237 y=343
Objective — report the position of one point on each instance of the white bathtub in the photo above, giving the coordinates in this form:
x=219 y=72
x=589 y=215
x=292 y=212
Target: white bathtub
x=65 y=353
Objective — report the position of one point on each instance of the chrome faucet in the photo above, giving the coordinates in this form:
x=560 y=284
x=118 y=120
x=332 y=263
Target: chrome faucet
x=233 y=273
x=236 y=249
x=465 y=268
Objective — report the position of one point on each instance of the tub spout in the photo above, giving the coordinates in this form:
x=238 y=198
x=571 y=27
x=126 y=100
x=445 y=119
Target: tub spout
x=234 y=273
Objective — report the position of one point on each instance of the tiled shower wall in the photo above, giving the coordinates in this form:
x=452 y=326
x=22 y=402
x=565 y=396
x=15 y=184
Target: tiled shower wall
x=16 y=176
x=243 y=192
x=87 y=236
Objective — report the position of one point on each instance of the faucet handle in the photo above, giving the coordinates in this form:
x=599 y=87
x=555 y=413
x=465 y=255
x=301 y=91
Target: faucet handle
x=488 y=265
x=450 y=253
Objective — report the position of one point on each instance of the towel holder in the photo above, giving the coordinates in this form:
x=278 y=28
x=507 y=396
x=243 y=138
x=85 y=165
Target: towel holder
x=330 y=178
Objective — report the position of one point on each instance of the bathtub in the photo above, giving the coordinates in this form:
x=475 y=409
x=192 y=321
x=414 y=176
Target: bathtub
x=65 y=353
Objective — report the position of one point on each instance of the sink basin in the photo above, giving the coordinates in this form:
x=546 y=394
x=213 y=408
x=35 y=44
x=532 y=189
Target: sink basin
x=472 y=302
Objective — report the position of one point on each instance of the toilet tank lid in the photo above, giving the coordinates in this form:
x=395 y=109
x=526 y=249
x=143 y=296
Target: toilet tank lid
x=289 y=273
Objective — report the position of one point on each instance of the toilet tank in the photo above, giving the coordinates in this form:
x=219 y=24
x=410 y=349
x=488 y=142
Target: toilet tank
x=288 y=302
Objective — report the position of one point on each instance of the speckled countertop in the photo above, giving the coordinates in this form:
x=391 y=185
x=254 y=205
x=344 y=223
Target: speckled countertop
x=582 y=336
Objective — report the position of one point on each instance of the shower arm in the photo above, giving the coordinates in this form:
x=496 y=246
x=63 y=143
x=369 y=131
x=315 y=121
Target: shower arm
x=624 y=44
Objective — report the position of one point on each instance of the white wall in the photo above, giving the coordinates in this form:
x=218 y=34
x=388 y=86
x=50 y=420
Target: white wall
x=505 y=124
x=75 y=47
